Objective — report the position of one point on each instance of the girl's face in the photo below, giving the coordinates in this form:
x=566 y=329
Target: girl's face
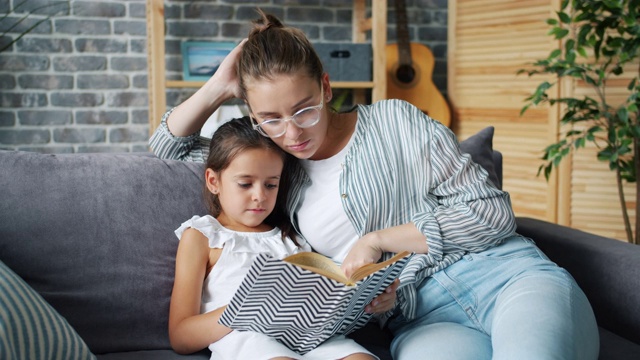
x=282 y=97
x=247 y=189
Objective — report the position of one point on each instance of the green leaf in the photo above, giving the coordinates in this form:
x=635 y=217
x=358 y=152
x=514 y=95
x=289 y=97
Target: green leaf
x=582 y=34
x=564 y=17
x=623 y=114
x=582 y=52
x=617 y=70
x=568 y=46
x=563 y=4
x=558 y=33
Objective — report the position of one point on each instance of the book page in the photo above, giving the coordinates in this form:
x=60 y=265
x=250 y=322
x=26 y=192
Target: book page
x=319 y=264
x=369 y=269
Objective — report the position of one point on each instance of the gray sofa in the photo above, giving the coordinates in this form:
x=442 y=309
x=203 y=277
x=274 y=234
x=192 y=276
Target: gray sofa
x=87 y=257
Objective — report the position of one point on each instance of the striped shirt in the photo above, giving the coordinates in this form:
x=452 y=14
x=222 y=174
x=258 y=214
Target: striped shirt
x=402 y=167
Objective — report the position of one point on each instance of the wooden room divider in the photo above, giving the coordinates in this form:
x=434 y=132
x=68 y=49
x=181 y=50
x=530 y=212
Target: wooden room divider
x=489 y=41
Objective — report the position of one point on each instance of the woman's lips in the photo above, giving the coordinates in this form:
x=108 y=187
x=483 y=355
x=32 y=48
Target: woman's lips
x=300 y=146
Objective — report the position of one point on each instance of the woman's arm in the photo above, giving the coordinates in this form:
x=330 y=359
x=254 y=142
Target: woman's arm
x=190 y=331
x=177 y=137
x=437 y=202
x=189 y=117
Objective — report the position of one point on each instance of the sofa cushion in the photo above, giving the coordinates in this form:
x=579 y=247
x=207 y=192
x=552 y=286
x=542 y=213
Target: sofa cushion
x=93 y=234
x=614 y=347
x=30 y=328
x=480 y=147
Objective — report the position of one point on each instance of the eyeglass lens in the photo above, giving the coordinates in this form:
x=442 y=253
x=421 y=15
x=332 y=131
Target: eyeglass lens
x=303 y=119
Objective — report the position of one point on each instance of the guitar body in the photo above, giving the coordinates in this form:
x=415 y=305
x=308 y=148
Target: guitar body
x=418 y=89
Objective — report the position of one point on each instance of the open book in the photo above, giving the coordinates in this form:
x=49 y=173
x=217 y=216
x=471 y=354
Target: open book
x=305 y=298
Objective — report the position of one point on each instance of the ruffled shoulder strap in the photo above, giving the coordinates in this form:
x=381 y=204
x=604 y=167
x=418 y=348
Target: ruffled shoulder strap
x=209 y=227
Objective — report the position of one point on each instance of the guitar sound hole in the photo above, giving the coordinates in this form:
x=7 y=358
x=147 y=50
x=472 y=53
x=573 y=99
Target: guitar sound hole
x=405 y=74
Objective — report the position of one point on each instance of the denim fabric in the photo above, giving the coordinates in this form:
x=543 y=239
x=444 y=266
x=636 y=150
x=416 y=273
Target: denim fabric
x=508 y=302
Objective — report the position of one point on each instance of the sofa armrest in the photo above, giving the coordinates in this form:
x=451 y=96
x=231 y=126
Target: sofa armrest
x=607 y=270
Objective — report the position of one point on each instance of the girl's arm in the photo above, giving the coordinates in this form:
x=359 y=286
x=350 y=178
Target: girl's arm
x=190 y=331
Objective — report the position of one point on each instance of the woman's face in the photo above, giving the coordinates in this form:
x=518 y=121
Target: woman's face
x=284 y=96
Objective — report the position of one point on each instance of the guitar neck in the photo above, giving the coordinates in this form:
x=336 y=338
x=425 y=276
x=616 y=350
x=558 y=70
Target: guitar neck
x=402 y=34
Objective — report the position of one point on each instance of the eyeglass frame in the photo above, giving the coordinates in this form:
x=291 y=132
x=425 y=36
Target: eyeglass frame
x=257 y=126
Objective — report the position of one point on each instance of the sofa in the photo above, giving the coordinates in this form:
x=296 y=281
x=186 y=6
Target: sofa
x=87 y=254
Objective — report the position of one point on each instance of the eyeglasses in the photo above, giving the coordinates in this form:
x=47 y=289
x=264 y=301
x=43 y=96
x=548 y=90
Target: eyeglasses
x=303 y=119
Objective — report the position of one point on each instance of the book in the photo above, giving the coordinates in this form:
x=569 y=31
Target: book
x=304 y=299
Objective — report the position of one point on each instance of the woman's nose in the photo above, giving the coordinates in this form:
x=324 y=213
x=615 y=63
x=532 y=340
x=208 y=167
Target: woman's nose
x=293 y=131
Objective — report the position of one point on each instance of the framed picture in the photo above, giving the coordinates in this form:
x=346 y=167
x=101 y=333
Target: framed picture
x=201 y=59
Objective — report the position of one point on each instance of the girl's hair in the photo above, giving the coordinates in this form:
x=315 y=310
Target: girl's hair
x=273 y=49
x=230 y=140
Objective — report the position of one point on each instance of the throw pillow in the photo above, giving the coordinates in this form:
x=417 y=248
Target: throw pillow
x=480 y=147
x=30 y=328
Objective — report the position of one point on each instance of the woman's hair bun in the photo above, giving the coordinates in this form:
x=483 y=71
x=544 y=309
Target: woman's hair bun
x=265 y=22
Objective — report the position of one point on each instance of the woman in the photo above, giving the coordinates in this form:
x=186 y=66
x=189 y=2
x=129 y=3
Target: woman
x=385 y=178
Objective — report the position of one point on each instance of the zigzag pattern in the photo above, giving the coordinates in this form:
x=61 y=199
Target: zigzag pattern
x=300 y=308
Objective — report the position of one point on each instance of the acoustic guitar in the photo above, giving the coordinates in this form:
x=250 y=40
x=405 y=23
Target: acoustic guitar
x=409 y=69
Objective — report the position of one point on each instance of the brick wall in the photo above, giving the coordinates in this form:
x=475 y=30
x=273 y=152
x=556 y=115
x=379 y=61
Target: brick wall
x=77 y=82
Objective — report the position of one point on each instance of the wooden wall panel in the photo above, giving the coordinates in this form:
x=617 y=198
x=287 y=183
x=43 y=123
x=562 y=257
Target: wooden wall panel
x=489 y=41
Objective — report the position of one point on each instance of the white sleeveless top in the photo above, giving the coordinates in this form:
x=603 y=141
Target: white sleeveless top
x=239 y=249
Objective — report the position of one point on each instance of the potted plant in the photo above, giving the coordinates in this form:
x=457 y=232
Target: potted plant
x=600 y=42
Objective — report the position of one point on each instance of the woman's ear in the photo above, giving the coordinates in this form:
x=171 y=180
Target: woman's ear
x=326 y=85
x=212 y=181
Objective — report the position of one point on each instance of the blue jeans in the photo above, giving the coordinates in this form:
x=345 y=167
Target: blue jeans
x=508 y=302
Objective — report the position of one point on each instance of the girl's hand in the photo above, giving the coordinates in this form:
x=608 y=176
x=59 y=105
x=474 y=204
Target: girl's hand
x=365 y=251
x=385 y=301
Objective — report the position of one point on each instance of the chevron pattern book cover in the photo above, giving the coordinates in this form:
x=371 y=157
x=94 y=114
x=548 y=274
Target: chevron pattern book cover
x=301 y=308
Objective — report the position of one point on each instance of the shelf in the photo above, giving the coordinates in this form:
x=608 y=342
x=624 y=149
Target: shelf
x=334 y=84
x=376 y=24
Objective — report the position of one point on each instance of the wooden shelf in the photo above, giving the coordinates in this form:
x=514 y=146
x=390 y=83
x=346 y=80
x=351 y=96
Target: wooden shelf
x=334 y=84
x=376 y=24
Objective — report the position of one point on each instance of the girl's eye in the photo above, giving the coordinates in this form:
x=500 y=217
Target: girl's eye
x=272 y=186
x=244 y=185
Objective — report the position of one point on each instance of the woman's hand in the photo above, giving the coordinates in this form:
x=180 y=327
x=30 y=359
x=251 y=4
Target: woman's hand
x=189 y=117
x=369 y=248
x=365 y=251
x=226 y=76
x=385 y=301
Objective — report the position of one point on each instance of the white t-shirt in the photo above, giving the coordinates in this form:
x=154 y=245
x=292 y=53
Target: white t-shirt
x=322 y=218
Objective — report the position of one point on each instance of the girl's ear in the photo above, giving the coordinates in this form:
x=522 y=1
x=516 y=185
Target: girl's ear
x=212 y=180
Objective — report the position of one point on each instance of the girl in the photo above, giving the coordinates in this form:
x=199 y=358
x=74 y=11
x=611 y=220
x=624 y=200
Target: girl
x=244 y=172
x=387 y=178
